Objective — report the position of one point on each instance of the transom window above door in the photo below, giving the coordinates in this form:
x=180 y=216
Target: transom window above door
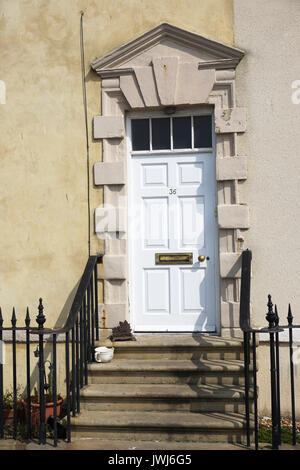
x=169 y=133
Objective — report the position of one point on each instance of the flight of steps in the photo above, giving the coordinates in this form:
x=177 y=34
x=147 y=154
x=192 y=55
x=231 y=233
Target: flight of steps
x=164 y=388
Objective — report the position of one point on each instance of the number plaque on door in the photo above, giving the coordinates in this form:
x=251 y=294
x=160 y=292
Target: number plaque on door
x=173 y=258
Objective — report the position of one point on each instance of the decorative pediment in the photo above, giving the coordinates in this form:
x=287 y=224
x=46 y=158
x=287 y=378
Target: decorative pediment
x=166 y=40
x=167 y=66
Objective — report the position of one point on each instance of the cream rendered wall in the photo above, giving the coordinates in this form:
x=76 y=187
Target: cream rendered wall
x=272 y=143
x=34 y=377
x=264 y=394
x=43 y=188
x=268 y=31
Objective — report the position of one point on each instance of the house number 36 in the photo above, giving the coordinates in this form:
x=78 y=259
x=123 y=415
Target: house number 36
x=172 y=191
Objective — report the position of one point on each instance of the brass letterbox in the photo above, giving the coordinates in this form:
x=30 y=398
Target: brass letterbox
x=173 y=258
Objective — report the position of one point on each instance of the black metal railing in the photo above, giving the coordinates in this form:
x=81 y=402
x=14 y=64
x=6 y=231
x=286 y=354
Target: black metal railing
x=79 y=334
x=273 y=331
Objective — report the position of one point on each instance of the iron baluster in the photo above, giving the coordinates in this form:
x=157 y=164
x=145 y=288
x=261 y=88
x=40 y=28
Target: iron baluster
x=255 y=389
x=81 y=332
x=77 y=368
x=246 y=372
x=73 y=373
x=275 y=430
x=270 y=317
x=290 y=325
x=85 y=348
x=96 y=302
x=40 y=321
x=89 y=323
x=1 y=377
x=14 y=352
x=277 y=373
x=68 y=388
x=92 y=319
x=54 y=372
x=27 y=323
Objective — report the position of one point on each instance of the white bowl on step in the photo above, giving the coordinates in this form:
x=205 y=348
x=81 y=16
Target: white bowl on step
x=104 y=354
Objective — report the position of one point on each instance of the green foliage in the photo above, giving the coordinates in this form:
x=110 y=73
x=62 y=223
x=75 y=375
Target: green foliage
x=8 y=400
x=265 y=435
x=35 y=396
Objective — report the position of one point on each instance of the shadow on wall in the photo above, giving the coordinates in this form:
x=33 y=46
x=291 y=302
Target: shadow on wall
x=62 y=318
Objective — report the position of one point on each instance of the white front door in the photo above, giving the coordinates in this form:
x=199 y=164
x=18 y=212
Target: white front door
x=172 y=206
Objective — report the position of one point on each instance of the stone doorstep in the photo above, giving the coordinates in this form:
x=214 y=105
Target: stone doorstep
x=168 y=371
x=161 y=420
x=157 y=398
x=169 y=365
x=177 y=346
x=179 y=341
x=116 y=444
x=163 y=391
x=203 y=426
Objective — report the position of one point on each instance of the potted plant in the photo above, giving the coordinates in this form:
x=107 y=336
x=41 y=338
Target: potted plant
x=8 y=407
x=49 y=402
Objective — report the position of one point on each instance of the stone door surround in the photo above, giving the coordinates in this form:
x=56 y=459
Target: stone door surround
x=169 y=66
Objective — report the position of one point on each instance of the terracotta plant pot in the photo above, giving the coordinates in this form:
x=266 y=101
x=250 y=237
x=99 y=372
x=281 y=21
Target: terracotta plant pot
x=8 y=416
x=35 y=411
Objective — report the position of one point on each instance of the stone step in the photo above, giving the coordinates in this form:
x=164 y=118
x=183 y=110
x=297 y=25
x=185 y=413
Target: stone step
x=162 y=397
x=147 y=426
x=168 y=371
x=190 y=346
x=115 y=444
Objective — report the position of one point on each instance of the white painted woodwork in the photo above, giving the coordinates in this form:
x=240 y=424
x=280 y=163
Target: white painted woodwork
x=173 y=297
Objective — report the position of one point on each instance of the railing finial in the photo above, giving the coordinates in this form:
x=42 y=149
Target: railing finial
x=270 y=317
x=13 y=318
x=27 y=319
x=40 y=319
x=276 y=316
x=290 y=316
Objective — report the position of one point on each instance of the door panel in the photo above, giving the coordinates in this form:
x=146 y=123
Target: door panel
x=191 y=221
x=155 y=222
x=190 y=173
x=192 y=289
x=157 y=290
x=155 y=174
